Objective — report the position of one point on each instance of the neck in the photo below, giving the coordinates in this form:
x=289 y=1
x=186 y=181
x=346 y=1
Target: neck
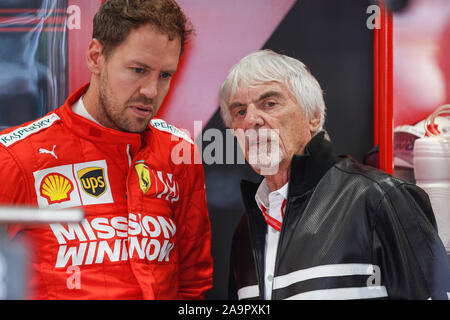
x=90 y=102
x=279 y=179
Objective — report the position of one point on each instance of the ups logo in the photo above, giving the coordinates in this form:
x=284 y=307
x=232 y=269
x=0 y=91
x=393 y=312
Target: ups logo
x=93 y=181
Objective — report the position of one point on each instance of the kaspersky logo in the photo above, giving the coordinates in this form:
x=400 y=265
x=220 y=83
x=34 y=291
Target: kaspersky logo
x=143 y=172
x=56 y=188
x=93 y=181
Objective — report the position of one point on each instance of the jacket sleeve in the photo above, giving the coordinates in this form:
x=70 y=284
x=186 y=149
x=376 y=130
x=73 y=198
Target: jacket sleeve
x=194 y=239
x=413 y=261
x=13 y=185
x=12 y=182
x=232 y=288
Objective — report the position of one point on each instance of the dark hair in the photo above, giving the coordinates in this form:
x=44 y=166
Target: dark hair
x=116 y=18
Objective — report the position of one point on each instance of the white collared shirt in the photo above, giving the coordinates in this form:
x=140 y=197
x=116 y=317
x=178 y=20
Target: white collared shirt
x=79 y=108
x=273 y=203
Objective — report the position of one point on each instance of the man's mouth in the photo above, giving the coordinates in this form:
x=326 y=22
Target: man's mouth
x=142 y=111
x=259 y=141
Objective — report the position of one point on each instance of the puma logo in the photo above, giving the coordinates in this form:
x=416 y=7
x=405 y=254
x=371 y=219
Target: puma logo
x=44 y=151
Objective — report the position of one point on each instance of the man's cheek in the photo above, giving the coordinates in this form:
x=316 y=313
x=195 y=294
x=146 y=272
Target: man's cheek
x=241 y=140
x=243 y=145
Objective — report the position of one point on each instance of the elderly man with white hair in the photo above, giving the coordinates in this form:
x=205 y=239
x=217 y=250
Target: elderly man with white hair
x=319 y=226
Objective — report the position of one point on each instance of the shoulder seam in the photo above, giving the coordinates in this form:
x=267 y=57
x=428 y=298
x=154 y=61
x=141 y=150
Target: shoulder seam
x=24 y=131
x=162 y=125
x=379 y=183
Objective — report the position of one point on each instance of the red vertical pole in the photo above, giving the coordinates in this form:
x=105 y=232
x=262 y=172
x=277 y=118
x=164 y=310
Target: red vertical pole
x=376 y=84
x=389 y=122
x=386 y=124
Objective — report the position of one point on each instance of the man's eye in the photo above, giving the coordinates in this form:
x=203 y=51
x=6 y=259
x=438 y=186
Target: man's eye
x=165 y=75
x=139 y=70
x=271 y=104
x=241 y=112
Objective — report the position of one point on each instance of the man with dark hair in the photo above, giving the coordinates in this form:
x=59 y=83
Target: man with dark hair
x=146 y=231
x=114 y=21
x=319 y=226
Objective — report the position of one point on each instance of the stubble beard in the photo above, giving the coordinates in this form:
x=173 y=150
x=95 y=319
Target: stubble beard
x=266 y=156
x=266 y=161
x=112 y=115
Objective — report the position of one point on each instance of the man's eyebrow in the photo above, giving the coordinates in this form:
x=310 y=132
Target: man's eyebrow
x=269 y=94
x=236 y=104
x=140 y=64
x=265 y=95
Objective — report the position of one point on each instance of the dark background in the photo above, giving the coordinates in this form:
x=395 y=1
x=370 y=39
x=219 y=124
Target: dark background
x=332 y=39
x=32 y=80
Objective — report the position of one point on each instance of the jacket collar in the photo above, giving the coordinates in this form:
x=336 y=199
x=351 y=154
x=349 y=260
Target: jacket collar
x=90 y=130
x=306 y=169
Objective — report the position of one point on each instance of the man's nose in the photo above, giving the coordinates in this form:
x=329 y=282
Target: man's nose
x=253 y=118
x=149 y=87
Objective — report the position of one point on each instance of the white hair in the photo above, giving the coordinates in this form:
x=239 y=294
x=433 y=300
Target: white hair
x=267 y=66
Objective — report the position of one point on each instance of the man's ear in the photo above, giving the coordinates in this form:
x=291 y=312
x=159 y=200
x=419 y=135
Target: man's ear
x=95 y=58
x=314 y=122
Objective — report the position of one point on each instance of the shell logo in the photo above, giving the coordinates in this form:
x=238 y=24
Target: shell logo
x=56 y=188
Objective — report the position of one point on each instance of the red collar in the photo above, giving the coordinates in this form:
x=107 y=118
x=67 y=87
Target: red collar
x=90 y=130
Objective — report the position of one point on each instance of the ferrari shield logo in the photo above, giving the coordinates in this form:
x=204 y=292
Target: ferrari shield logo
x=144 y=176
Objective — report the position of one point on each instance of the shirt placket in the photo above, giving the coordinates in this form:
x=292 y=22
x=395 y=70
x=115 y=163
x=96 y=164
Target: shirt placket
x=275 y=211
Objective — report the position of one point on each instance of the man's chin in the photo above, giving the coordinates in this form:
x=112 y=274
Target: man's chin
x=136 y=127
x=265 y=164
x=266 y=170
x=269 y=167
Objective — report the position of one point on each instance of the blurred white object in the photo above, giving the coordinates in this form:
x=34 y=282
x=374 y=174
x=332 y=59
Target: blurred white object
x=25 y=215
x=15 y=266
x=432 y=170
x=406 y=135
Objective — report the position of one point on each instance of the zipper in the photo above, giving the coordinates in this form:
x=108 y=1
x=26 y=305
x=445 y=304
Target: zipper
x=129 y=155
x=254 y=239
x=280 y=240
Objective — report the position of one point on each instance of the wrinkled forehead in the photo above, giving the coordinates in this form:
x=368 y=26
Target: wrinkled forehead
x=251 y=92
x=248 y=90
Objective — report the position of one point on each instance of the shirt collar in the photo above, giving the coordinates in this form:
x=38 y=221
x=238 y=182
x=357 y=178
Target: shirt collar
x=80 y=109
x=264 y=196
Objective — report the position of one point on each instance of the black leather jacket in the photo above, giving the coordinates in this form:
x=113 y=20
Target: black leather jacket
x=349 y=231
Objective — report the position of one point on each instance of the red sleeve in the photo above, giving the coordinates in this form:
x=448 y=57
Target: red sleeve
x=194 y=237
x=13 y=189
